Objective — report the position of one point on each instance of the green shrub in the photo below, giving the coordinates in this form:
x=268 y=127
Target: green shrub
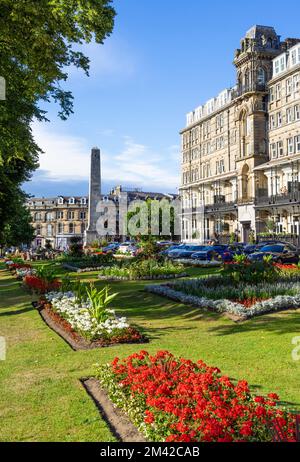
x=244 y=271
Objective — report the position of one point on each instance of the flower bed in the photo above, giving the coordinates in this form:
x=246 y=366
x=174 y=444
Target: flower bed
x=147 y=269
x=36 y=284
x=210 y=293
x=78 y=319
x=87 y=262
x=171 y=399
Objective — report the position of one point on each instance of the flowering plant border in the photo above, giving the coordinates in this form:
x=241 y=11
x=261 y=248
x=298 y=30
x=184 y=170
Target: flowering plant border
x=279 y=303
x=174 y=399
x=75 y=324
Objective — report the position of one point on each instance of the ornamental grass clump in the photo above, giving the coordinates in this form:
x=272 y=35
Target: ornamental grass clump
x=175 y=399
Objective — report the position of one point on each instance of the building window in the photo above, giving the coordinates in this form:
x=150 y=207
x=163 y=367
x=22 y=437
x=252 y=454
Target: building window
x=279 y=119
x=71 y=228
x=82 y=215
x=272 y=94
x=278 y=91
x=38 y=216
x=272 y=122
x=296 y=79
x=60 y=200
x=261 y=76
x=294 y=57
x=60 y=228
x=288 y=87
x=280 y=148
x=72 y=201
x=297 y=143
x=82 y=228
x=289 y=115
x=38 y=230
x=290 y=146
x=71 y=215
x=60 y=215
x=48 y=216
x=297 y=112
x=49 y=230
x=273 y=150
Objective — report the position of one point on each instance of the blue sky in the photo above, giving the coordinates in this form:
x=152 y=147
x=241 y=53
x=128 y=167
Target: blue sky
x=164 y=58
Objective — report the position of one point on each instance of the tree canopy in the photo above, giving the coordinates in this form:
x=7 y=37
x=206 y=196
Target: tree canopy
x=40 y=40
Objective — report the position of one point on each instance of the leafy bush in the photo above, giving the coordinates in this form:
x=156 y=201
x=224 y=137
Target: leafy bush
x=99 y=301
x=241 y=270
x=88 y=261
x=76 y=246
x=142 y=268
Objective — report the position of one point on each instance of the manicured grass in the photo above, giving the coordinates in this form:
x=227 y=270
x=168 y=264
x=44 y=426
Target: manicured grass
x=42 y=399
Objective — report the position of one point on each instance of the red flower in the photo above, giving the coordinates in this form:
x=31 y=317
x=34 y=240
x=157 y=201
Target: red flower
x=193 y=402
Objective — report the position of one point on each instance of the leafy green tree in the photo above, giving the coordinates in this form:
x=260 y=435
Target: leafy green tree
x=39 y=41
x=154 y=220
x=76 y=246
x=18 y=229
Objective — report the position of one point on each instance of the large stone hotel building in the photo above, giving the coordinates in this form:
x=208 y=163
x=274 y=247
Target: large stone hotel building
x=241 y=150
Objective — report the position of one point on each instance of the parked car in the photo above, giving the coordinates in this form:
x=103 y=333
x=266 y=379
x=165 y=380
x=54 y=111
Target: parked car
x=186 y=251
x=165 y=243
x=110 y=248
x=232 y=250
x=166 y=251
x=251 y=248
x=210 y=252
x=280 y=253
x=127 y=247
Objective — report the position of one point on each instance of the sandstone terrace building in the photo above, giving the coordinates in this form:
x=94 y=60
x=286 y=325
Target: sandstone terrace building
x=241 y=150
x=57 y=219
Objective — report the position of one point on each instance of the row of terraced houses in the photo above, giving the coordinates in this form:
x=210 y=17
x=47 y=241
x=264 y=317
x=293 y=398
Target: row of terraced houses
x=241 y=150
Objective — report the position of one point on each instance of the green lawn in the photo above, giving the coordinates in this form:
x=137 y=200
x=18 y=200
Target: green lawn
x=42 y=399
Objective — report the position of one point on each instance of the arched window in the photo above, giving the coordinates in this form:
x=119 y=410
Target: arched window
x=247 y=80
x=261 y=76
x=71 y=228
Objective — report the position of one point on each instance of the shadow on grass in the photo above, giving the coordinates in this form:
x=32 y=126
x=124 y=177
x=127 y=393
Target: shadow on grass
x=283 y=322
x=151 y=306
x=16 y=312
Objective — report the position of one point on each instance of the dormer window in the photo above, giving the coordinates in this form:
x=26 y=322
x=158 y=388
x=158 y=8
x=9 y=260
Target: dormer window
x=71 y=201
x=83 y=201
x=60 y=200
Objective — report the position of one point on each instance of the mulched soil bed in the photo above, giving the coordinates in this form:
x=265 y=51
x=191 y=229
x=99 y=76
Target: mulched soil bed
x=118 y=422
x=75 y=340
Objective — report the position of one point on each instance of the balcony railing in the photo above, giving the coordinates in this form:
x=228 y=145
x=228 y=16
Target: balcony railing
x=279 y=199
x=220 y=204
x=242 y=89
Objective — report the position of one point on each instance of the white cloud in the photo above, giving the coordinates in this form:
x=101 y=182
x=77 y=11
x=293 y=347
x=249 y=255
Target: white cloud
x=113 y=58
x=67 y=158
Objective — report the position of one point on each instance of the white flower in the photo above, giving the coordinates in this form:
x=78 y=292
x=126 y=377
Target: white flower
x=80 y=317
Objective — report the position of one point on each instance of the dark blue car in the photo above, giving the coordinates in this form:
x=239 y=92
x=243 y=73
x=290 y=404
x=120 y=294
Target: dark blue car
x=210 y=252
x=280 y=253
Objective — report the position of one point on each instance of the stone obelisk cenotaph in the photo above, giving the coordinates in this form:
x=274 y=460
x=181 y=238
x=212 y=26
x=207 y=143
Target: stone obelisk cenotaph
x=94 y=196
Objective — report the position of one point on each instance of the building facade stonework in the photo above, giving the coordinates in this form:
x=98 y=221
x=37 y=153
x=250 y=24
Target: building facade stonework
x=241 y=150
x=57 y=219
